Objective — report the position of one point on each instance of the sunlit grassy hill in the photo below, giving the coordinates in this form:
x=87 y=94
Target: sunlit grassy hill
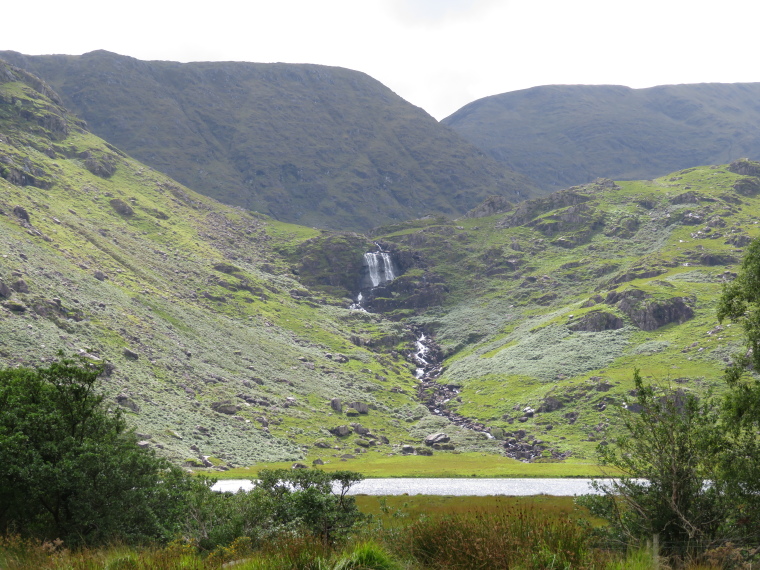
x=547 y=307
x=228 y=334
x=214 y=347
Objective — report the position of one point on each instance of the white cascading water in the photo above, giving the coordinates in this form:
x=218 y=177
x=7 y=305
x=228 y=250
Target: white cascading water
x=419 y=356
x=357 y=306
x=380 y=267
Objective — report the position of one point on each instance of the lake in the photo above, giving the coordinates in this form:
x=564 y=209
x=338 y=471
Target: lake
x=462 y=486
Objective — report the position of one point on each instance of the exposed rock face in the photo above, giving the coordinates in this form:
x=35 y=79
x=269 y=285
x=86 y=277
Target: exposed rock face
x=103 y=167
x=550 y=404
x=650 y=314
x=490 y=206
x=597 y=321
x=745 y=167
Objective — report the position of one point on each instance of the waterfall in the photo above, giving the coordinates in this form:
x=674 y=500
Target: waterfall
x=378 y=270
x=420 y=356
x=380 y=267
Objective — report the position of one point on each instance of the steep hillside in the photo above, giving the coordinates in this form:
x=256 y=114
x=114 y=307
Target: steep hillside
x=561 y=135
x=228 y=335
x=214 y=349
x=542 y=311
x=315 y=145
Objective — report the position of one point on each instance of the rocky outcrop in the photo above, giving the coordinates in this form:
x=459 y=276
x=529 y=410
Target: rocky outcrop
x=650 y=313
x=745 y=167
x=597 y=321
x=490 y=206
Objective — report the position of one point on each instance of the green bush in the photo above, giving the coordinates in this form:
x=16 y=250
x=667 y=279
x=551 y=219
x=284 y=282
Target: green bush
x=71 y=469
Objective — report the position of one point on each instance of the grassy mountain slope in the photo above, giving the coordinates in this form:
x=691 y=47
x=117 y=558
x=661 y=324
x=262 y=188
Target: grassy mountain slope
x=220 y=322
x=215 y=349
x=546 y=308
x=315 y=145
x=561 y=135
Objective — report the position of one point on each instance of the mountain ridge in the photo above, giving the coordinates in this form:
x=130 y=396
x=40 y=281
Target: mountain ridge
x=563 y=135
x=320 y=146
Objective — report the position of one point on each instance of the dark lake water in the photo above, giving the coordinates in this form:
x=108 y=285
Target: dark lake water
x=463 y=486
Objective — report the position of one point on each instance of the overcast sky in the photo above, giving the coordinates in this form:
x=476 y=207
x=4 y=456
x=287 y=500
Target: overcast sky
x=437 y=54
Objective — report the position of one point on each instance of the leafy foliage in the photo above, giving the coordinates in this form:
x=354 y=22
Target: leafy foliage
x=669 y=485
x=71 y=468
x=298 y=501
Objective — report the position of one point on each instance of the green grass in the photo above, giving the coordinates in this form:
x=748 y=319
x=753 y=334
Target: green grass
x=441 y=464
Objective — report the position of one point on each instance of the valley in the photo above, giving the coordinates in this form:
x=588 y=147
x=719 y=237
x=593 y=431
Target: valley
x=230 y=335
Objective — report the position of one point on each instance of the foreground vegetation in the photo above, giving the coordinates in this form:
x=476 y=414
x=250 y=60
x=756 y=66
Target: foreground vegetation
x=508 y=533
x=78 y=492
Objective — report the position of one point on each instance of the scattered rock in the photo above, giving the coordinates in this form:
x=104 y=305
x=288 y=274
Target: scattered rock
x=126 y=402
x=423 y=451
x=317 y=462
x=360 y=407
x=336 y=405
x=340 y=431
x=5 y=291
x=225 y=407
x=15 y=307
x=299 y=466
x=22 y=214
x=407 y=449
x=434 y=438
x=100 y=276
x=121 y=207
x=550 y=404
x=131 y=354
x=20 y=286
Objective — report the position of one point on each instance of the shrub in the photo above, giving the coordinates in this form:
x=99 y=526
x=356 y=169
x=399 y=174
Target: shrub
x=71 y=469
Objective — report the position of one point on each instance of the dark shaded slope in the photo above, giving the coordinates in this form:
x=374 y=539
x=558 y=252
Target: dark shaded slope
x=562 y=135
x=321 y=146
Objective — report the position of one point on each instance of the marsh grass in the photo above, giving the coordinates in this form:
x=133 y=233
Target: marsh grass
x=501 y=537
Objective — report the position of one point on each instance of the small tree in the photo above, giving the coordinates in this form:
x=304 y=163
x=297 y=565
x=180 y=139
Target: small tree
x=71 y=469
x=740 y=461
x=667 y=485
x=313 y=499
x=302 y=502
